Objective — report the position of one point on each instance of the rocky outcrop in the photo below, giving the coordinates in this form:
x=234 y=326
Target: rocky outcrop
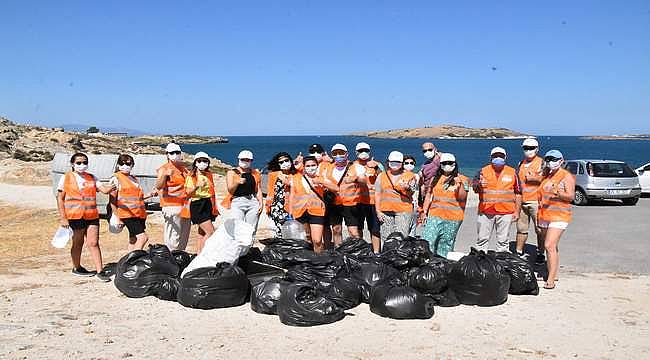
x=445 y=131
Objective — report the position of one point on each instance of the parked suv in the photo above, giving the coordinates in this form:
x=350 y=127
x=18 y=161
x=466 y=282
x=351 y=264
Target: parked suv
x=604 y=179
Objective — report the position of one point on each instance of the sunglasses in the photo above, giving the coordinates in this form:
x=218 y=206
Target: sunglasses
x=447 y=163
x=81 y=162
x=529 y=147
x=550 y=158
x=363 y=150
x=246 y=160
x=284 y=161
x=409 y=163
x=427 y=150
x=174 y=153
x=125 y=163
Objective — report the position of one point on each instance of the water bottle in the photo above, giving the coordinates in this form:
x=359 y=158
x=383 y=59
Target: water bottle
x=292 y=229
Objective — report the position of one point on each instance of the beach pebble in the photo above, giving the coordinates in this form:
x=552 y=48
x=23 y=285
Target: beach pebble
x=86 y=322
x=526 y=351
x=126 y=355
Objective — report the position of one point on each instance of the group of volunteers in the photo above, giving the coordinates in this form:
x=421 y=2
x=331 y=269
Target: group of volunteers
x=324 y=190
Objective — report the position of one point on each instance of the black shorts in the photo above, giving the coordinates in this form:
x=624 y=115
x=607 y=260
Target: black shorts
x=368 y=214
x=337 y=213
x=136 y=226
x=201 y=211
x=82 y=224
x=308 y=218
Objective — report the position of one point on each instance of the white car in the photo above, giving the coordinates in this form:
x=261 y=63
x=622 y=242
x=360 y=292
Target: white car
x=644 y=178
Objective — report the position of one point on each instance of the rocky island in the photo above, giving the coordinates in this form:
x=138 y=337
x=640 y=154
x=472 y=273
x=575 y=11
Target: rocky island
x=617 y=137
x=446 y=131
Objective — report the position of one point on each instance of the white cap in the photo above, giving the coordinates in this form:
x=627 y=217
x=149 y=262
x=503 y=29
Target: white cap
x=172 y=147
x=498 y=150
x=245 y=154
x=530 y=142
x=362 y=145
x=447 y=157
x=201 y=154
x=339 y=147
x=396 y=156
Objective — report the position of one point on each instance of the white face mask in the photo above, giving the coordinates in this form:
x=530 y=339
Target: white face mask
x=80 y=168
x=409 y=167
x=202 y=165
x=554 y=165
x=285 y=165
x=363 y=155
x=448 y=168
x=174 y=157
x=244 y=164
x=530 y=153
x=124 y=168
x=311 y=170
x=318 y=156
x=394 y=165
x=430 y=154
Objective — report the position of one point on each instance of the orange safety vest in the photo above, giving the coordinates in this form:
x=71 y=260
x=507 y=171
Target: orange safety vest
x=367 y=191
x=173 y=193
x=444 y=203
x=270 y=191
x=130 y=198
x=552 y=208
x=213 y=196
x=500 y=192
x=529 y=190
x=348 y=194
x=391 y=200
x=80 y=204
x=258 y=182
x=303 y=199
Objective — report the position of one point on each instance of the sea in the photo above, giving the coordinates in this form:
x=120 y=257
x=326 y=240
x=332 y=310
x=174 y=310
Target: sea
x=471 y=154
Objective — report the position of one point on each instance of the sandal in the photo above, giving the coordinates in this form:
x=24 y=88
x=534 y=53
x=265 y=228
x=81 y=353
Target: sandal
x=549 y=287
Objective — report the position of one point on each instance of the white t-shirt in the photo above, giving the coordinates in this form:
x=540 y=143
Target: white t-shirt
x=338 y=173
x=114 y=180
x=80 y=182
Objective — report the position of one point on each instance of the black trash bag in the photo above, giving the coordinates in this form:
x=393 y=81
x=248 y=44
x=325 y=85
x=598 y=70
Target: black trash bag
x=407 y=252
x=249 y=261
x=182 y=258
x=355 y=247
x=369 y=275
x=266 y=295
x=147 y=273
x=221 y=286
x=446 y=298
x=303 y=304
x=294 y=244
x=110 y=269
x=522 y=276
x=429 y=279
x=286 y=257
x=401 y=302
x=343 y=292
x=392 y=241
x=478 y=279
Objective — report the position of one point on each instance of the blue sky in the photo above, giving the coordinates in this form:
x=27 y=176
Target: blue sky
x=302 y=67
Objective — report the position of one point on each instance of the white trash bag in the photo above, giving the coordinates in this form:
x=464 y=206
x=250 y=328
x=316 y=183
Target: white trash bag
x=115 y=226
x=61 y=237
x=230 y=241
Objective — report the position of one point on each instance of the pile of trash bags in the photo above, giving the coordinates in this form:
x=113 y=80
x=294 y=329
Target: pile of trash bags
x=286 y=278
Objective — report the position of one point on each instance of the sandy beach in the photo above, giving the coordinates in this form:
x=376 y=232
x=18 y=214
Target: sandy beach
x=599 y=310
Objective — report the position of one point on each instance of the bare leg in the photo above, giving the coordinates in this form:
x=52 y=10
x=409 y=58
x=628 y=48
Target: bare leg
x=77 y=245
x=376 y=243
x=206 y=229
x=92 y=242
x=141 y=240
x=307 y=231
x=317 y=237
x=521 y=242
x=131 y=246
x=337 y=233
x=327 y=236
x=354 y=231
x=552 y=252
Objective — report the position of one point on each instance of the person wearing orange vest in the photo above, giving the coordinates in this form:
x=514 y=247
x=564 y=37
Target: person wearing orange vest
x=530 y=175
x=127 y=202
x=444 y=204
x=244 y=200
x=394 y=190
x=366 y=165
x=280 y=168
x=307 y=202
x=499 y=204
x=77 y=205
x=199 y=186
x=556 y=192
x=345 y=176
x=173 y=199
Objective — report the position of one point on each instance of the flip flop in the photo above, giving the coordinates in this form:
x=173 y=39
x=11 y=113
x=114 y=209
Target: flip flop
x=549 y=287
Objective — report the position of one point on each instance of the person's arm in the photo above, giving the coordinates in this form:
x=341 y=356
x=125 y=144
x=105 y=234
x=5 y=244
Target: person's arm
x=518 y=198
x=161 y=180
x=60 y=199
x=260 y=197
x=428 y=198
x=567 y=189
x=461 y=191
x=105 y=188
x=233 y=180
x=380 y=214
x=190 y=187
x=326 y=184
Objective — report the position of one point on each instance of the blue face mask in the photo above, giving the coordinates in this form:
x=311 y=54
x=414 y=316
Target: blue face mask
x=340 y=159
x=497 y=161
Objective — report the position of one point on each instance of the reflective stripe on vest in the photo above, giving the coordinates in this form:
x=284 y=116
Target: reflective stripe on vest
x=348 y=193
x=500 y=191
x=173 y=193
x=391 y=200
x=444 y=203
x=367 y=191
x=303 y=199
x=80 y=204
x=529 y=190
x=130 y=198
x=552 y=208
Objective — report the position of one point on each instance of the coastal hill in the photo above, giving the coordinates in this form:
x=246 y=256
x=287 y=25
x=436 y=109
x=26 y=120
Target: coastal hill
x=445 y=131
x=38 y=144
x=617 y=137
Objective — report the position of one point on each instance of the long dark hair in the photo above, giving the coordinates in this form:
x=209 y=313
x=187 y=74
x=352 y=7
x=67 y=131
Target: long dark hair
x=79 y=154
x=274 y=164
x=195 y=169
x=440 y=172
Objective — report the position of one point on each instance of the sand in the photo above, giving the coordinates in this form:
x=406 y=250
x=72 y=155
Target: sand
x=48 y=313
